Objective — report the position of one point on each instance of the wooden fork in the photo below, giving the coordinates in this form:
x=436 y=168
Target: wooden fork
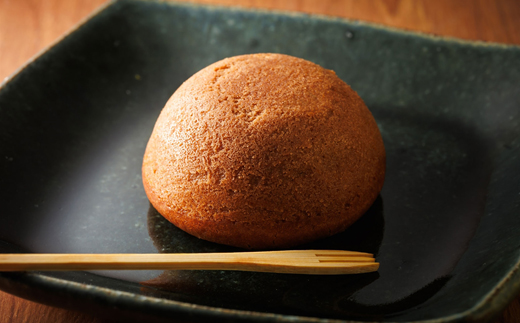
x=314 y=262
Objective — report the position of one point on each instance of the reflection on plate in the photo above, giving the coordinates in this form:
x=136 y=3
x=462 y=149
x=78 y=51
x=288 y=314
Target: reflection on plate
x=263 y=291
x=330 y=296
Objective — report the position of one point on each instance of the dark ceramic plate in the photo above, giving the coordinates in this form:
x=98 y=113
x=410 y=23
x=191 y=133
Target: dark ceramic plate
x=75 y=121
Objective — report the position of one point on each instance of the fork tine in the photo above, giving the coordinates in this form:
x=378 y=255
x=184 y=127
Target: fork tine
x=346 y=259
x=316 y=252
x=341 y=253
x=328 y=268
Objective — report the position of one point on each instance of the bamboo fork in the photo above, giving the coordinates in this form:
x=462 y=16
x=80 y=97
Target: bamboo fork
x=314 y=262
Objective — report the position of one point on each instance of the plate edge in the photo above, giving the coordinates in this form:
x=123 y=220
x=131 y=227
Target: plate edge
x=332 y=18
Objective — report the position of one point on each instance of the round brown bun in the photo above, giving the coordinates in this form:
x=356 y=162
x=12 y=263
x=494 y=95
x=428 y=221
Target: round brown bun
x=264 y=151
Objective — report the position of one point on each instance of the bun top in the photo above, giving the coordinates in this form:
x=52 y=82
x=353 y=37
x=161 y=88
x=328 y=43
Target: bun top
x=264 y=137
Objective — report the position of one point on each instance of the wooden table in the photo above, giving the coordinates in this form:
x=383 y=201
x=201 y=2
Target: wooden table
x=28 y=26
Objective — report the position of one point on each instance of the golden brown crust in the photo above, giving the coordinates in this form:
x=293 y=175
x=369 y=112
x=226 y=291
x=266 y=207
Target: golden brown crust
x=264 y=151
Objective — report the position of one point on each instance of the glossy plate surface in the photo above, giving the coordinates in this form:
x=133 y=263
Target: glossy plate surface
x=74 y=124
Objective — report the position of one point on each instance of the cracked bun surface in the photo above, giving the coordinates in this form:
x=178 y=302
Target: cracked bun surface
x=264 y=151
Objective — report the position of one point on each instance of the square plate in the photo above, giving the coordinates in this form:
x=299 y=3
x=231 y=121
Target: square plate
x=75 y=121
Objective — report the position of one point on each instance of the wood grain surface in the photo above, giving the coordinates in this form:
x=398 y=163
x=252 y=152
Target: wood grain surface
x=28 y=26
